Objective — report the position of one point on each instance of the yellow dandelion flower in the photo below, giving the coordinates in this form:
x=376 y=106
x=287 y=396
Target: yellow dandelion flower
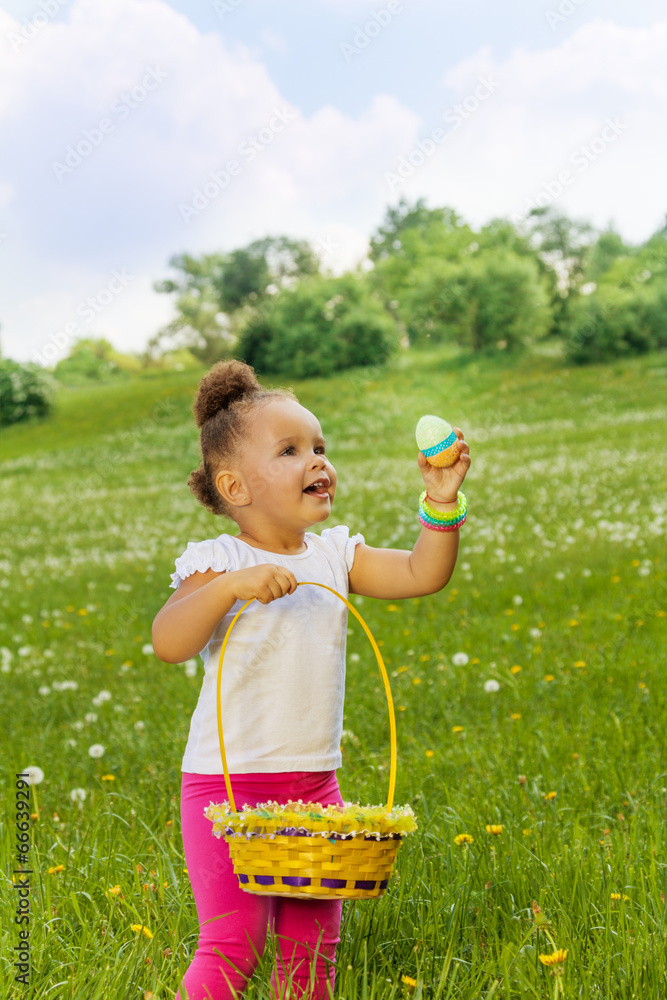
x=424 y=657
x=108 y=777
x=82 y=611
x=409 y=981
x=495 y=828
x=141 y=929
x=401 y=708
x=457 y=729
x=572 y=622
x=401 y=670
x=516 y=715
x=58 y=868
x=392 y=607
x=617 y=896
x=461 y=839
x=114 y=890
x=615 y=579
x=556 y=958
x=661 y=614
x=416 y=680
x=580 y=663
x=514 y=628
x=549 y=796
x=515 y=669
x=549 y=677
x=527 y=833
x=476 y=659
x=429 y=753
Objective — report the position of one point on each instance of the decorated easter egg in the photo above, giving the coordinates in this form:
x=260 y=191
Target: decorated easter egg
x=437 y=440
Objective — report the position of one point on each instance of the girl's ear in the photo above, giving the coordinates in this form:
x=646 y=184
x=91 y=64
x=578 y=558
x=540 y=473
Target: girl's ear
x=231 y=488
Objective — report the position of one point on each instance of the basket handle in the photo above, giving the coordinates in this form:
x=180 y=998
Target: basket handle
x=383 y=672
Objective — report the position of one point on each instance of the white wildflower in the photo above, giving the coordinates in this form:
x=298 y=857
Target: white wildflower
x=78 y=795
x=33 y=775
x=491 y=686
x=96 y=750
x=190 y=668
x=535 y=633
x=90 y=716
x=460 y=659
x=27 y=619
x=44 y=689
x=147 y=649
x=139 y=725
x=517 y=599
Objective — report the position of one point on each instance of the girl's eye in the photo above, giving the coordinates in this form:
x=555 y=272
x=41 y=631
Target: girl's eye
x=290 y=447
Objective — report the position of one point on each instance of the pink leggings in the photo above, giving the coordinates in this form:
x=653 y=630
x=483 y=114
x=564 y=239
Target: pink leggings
x=232 y=923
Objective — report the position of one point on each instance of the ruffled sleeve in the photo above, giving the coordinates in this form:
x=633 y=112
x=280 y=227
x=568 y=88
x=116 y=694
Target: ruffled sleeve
x=344 y=543
x=198 y=557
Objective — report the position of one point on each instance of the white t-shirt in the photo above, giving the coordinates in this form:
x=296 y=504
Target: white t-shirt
x=283 y=674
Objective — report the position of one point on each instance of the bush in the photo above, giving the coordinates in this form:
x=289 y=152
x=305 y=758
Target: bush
x=615 y=322
x=492 y=299
x=321 y=326
x=94 y=361
x=26 y=391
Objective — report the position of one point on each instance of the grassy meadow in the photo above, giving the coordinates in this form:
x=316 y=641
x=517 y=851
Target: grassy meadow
x=558 y=599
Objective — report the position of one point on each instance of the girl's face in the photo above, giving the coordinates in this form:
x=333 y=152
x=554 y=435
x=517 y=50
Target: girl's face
x=285 y=466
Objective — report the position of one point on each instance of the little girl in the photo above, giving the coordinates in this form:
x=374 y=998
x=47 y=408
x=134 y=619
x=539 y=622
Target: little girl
x=264 y=466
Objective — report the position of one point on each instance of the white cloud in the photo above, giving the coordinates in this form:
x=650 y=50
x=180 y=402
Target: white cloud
x=178 y=105
x=547 y=105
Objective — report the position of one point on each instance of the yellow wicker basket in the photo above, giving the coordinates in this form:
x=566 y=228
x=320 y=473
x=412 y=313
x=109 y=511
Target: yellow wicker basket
x=307 y=850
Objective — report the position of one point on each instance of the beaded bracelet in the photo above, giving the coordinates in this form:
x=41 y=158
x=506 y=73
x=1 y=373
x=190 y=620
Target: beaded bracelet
x=439 y=520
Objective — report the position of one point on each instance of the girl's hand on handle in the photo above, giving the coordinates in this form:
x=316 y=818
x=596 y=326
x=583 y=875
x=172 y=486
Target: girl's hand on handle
x=443 y=484
x=266 y=583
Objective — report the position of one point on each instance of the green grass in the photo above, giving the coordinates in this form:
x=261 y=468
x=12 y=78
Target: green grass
x=560 y=573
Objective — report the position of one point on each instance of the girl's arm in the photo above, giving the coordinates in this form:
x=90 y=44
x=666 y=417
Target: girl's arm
x=394 y=574
x=187 y=621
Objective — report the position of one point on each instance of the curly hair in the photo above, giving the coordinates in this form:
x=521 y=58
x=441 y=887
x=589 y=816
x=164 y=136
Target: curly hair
x=225 y=400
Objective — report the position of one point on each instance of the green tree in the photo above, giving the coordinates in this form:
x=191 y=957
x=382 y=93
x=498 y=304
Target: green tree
x=562 y=247
x=319 y=326
x=213 y=292
x=491 y=299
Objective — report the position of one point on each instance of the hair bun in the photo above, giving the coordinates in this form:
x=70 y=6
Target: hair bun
x=226 y=382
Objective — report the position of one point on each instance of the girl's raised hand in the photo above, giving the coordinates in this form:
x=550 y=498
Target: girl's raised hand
x=443 y=484
x=265 y=582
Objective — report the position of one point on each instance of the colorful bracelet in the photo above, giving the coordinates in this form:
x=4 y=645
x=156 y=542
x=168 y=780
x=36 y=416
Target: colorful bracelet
x=439 y=520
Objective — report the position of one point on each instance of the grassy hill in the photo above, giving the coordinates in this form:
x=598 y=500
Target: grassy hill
x=558 y=596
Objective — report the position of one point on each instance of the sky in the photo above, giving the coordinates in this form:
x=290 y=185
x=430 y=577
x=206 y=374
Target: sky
x=135 y=130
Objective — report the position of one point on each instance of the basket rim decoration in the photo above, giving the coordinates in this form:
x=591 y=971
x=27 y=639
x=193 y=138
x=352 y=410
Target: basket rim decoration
x=305 y=849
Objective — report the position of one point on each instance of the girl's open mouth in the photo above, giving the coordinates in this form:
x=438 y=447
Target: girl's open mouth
x=317 y=490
